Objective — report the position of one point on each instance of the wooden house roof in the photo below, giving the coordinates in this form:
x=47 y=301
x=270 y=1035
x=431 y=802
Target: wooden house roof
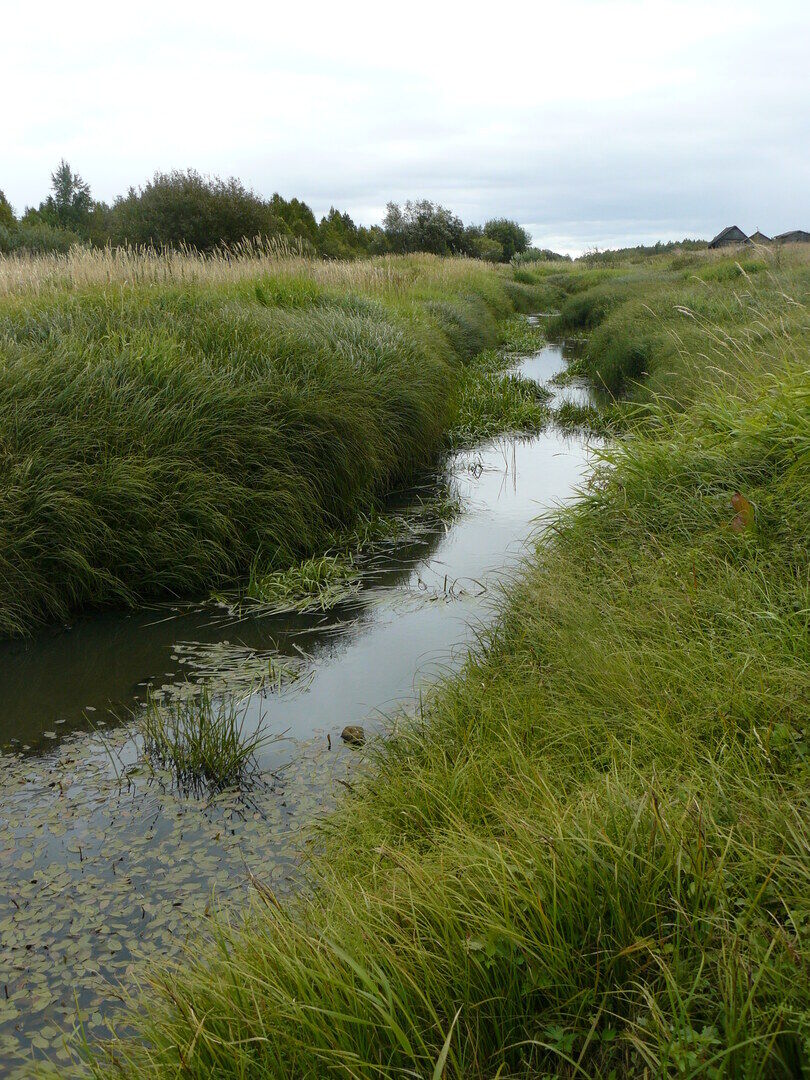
x=731 y=235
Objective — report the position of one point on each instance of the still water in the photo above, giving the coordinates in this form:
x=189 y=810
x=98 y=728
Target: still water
x=102 y=865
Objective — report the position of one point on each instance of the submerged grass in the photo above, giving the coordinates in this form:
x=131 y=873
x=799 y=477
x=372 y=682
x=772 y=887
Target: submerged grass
x=163 y=418
x=589 y=854
x=202 y=741
x=316 y=584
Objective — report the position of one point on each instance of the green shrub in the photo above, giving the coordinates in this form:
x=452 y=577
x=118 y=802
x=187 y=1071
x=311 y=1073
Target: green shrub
x=513 y=238
x=36 y=238
x=187 y=209
x=7 y=218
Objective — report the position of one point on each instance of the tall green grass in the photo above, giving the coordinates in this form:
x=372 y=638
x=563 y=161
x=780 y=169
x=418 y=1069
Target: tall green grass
x=589 y=854
x=159 y=433
x=490 y=399
x=655 y=329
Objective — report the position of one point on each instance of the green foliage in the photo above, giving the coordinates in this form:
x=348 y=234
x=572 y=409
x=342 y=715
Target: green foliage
x=315 y=584
x=7 y=217
x=538 y=255
x=156 y=437
x=585 y=310
x=512 y=237
x=185 y=208
x=672 y=327
x=484 y=247
x=423 y=226
x=338 y=236
x=69 y=205
x=491 y=400
x=299 y=221
x=33 y=236
x=730 y=271
x=641 y=253
x=490 y=403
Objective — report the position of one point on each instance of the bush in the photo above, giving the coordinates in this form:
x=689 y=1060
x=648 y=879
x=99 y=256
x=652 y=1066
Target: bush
x=159 y=438
x=36 y=238
x=484 y=247
x=187 y=209
x=512 y=237
x=536 y=255
x=7 y=218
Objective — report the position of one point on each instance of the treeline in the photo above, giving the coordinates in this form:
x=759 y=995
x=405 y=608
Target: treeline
x=186 y=209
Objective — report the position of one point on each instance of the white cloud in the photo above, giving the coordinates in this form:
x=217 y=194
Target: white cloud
x=589 y=121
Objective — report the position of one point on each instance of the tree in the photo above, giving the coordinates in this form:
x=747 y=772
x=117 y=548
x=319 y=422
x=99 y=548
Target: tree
x=423 y=226
x=7 y=218
x=297 y=217
x=484 y=247
x=71 y=202
x=185 y=208
x=512 y=237
x=339 y=237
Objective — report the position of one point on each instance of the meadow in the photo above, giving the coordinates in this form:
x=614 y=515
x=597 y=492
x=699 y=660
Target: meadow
x=171 y=423
x=587 y=855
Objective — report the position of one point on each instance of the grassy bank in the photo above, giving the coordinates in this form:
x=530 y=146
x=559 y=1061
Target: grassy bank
x=665 y=327
x=168 y=422
x=589 y=854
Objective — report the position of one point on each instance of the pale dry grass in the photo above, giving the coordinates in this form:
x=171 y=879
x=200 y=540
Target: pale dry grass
x=81 y=268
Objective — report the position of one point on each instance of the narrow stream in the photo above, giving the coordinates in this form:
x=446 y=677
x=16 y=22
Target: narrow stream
x=102 y=865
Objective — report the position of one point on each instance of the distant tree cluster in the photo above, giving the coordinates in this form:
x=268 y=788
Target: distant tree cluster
x=186 y=209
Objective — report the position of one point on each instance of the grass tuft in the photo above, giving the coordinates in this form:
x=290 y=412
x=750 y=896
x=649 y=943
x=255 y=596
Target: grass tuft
x=201 y=741
x=164 y=418
x=316 y=584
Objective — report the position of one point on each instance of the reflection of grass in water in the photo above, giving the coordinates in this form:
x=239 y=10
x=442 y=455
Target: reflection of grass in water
x=202 y=742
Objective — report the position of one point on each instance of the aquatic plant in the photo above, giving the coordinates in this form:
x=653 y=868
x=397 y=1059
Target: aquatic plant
x=492 y=400
x=315 y=584
x=202 y=741
x=490 y=403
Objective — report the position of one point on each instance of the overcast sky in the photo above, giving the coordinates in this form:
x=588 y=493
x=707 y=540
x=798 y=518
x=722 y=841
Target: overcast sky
x=591 y=122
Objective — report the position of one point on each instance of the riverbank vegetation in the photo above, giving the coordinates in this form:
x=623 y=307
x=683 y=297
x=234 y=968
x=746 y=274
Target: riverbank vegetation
x=588 y=854
x=168 y=421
